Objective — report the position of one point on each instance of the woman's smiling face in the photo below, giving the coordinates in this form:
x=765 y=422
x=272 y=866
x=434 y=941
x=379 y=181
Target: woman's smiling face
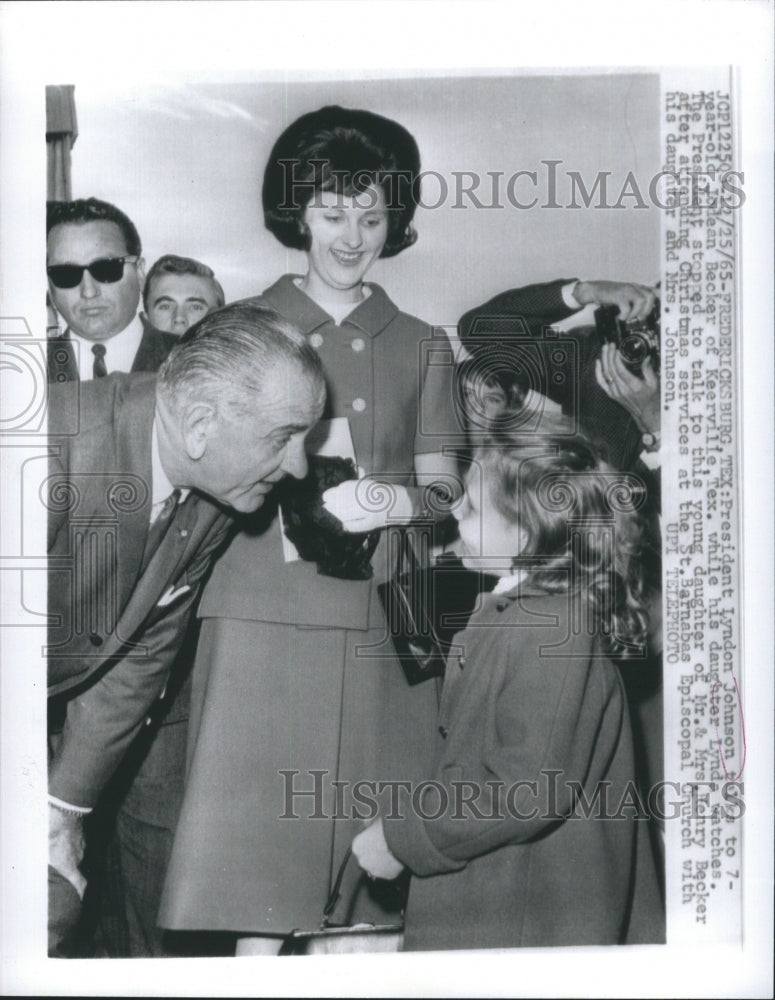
x=347 y=234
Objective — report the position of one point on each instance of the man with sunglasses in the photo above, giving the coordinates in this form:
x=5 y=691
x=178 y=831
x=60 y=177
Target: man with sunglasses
x=95 y=277
x=96 y=274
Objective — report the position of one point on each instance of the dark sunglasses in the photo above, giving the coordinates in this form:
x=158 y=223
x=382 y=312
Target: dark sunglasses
x=107 y=270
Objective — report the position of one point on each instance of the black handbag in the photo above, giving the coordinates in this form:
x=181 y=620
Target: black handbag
x=426 y=603
x=331 y=939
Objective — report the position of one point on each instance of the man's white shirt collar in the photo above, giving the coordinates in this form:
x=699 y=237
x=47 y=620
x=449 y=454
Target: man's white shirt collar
x=120 y=350
x=161 y=487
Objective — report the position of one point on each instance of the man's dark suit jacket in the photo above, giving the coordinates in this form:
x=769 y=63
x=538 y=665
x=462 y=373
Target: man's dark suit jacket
x=115 y=628
x=154 y=348
x=558 y=365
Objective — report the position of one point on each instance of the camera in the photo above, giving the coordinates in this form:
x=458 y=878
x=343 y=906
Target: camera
x=636 y=340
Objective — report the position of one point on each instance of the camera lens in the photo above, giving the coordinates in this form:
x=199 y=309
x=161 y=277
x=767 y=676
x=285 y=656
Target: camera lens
x=634 y=349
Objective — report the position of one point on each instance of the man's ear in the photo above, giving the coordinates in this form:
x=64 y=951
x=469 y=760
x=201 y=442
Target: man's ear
x=199 y=420
x=140 y=268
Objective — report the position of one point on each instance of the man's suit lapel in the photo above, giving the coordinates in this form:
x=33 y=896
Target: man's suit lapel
x=154 y=348
x=134 y=492
x=60 y=356
x=115 y=510
x=139 y=593
x=191 y=525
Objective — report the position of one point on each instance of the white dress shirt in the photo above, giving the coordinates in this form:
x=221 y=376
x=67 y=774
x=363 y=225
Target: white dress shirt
x=161 y=487
x=120 y=350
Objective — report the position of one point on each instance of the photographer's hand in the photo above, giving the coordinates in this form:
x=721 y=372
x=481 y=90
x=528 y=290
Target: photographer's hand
x=639 y=396
x=635 y=301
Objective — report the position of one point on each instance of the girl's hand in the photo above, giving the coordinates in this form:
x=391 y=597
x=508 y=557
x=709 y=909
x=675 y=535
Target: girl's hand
x=373 y=854
x=367 y=504
x=639 y=396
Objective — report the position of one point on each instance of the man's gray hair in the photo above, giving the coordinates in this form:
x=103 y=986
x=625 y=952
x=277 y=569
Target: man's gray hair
x=226 y=357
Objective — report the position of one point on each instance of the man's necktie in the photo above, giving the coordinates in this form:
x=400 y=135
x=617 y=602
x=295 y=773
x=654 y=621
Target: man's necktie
x=159 y=526
x=100 y=370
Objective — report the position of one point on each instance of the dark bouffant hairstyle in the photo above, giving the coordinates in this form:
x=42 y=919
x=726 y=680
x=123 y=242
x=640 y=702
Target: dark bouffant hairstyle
x=584 y=532
x=93 y=210
x=347 y=151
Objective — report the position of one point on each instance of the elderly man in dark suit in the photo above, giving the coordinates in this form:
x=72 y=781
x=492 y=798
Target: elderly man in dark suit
x=142 y=473
x=95 y=274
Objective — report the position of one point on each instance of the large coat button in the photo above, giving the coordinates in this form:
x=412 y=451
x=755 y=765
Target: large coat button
x=358 y=345
x=443 y=730
x=359 y=405
x=316 y=340
x=94 y=639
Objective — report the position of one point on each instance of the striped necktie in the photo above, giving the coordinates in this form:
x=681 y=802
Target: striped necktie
x=159 y=527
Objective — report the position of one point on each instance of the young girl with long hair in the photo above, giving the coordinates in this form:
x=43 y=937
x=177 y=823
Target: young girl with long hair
x=528 y=830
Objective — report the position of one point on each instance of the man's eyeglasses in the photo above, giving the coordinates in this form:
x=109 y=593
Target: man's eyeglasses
x=106 y=270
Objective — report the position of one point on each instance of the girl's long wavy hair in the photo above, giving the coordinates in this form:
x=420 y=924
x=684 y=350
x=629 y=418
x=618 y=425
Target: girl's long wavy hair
x=584 y=533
